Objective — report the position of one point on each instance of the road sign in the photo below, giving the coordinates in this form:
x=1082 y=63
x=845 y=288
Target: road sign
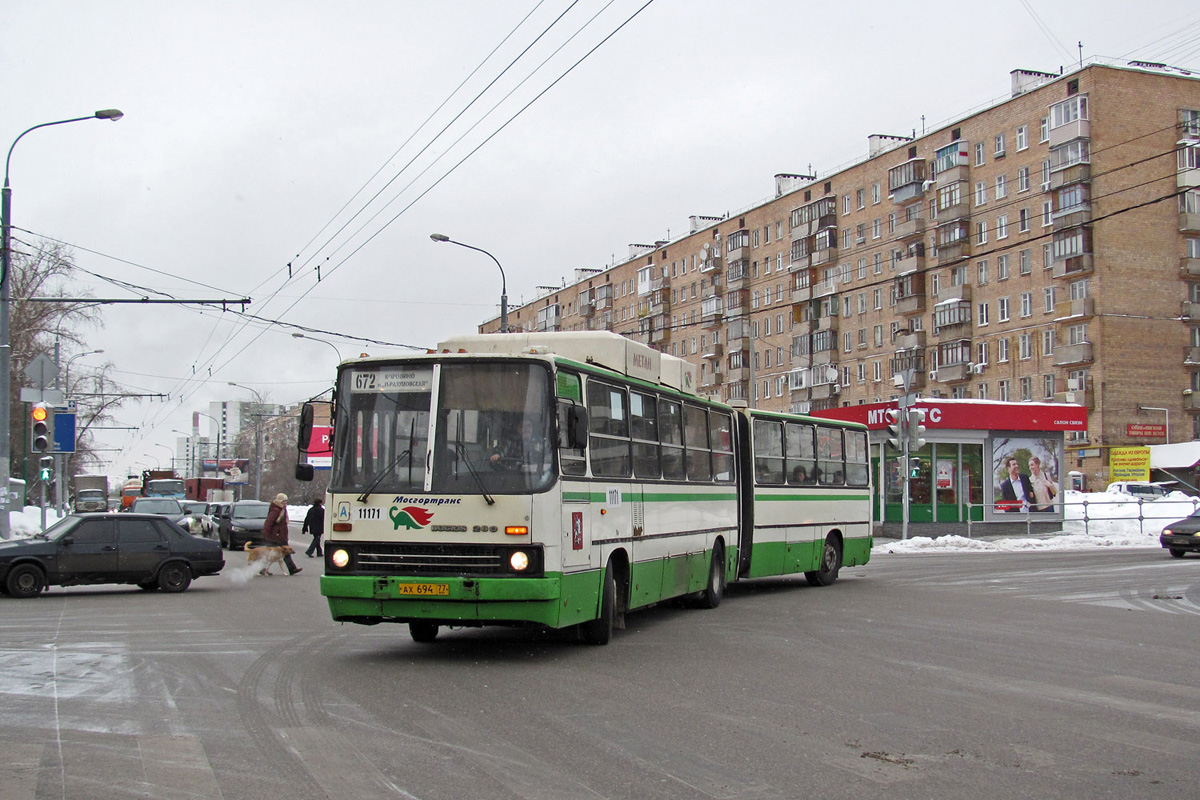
x=64 y=432
x=42 y=371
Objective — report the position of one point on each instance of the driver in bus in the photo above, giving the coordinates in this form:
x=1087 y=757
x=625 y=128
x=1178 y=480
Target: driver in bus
x=524 y=448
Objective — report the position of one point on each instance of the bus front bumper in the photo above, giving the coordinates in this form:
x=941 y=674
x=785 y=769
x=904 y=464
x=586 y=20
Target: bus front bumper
x=555 y=600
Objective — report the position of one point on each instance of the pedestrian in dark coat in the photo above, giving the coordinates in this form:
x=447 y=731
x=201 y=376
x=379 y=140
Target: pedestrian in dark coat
x=314 y=523
x=275 y=529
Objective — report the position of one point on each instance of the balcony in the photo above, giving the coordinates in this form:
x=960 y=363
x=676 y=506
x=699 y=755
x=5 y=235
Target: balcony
x=711 y=264
x=910 y=228
x=1079 y=129
x=955 y=212
x=1067 y=355
x=1084 y=397
x=1189 y=223
x=1074 y=310
x=660 y=283
x=954 y=373
x=962 y=292
x=1072 y=217
x=824 y=289
x=824 y=357
x=737 y=374
x=1189 y=267
x=824 y=256
x=711 y=380
x=714 y=351
x=824 y=391
x=738 y=274
x=1073 y=266
x=912 y=304
x=1077 y=173
x=954 y=330
x=945 y=177
x=955 y=251
x=803 y=294
x=1191 y=356
x=586 y=309
x=1191 y=401
x=1190 y=311
x=910 y=341
x=828 y=323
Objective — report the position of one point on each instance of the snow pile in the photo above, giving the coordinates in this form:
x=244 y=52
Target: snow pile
x=1094 y=520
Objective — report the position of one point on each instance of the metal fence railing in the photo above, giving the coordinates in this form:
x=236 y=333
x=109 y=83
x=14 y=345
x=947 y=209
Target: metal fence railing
x=1096 y=516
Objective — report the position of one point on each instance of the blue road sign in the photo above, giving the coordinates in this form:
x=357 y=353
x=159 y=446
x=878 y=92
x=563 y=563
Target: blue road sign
x=64 y=432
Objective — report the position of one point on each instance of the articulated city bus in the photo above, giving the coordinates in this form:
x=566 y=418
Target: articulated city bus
x=565 y=479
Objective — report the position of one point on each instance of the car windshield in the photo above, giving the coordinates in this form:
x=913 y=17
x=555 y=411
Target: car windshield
x=61 y=528
x=195 y=508
x=157 y=506
x=251 y=512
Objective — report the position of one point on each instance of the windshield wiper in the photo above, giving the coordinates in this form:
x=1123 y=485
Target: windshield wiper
x=362 y=498
x=462 y=451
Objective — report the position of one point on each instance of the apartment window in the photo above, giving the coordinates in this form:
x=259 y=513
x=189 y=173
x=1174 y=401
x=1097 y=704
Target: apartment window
x=1048 y=386
x=876 y=228
x=877 y=263
x=878 y=335
x=1027 y=388
x=1046 y=175
x=949 y=196
x=1189 y=156
x=1002 y=226
x=1193 y=248
x=1025 y=261
x=981 y=193
x=848 y=341
x=979 y=154
x=1047 y=213
x=1002 y=351
x=1070 y=154
x=1077 y=334
x=981 y=231
x=892 y=222
x=1026 y=304
x=1002 y=309
x=958 y=275
x=1001 y=187
x=1189 y=121
x=846 y=204
x=1045 y=130
x=1023 y=221
x=984 y=318
x=862 y=338
x=1023 y=179
x=754 y=238
x=877 y=371
x=1189 y=203
x=875 y=194
x=1047 y=256
x=1048 y=300
x=1023 y=137
x=1048 y=342
x=877 y=297
x=981 y=270
x=983 y=391
x=861 y=197
x=981 y=353
x=999 y=153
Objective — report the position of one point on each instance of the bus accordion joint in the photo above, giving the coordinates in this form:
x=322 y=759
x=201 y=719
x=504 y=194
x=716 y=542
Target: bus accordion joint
x=343 y=527
x=516 y=530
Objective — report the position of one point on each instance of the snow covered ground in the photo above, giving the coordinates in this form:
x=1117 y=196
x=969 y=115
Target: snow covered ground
x=1092 y=521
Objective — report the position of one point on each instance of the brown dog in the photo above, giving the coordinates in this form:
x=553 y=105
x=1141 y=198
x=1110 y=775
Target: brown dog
x=267 y=556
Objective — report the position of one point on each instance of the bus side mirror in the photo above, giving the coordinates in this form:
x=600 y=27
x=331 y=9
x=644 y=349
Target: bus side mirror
x=304 y=432
x=304 y=472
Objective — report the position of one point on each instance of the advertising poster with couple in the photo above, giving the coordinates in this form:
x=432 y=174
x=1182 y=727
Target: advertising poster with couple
x=1026 y=475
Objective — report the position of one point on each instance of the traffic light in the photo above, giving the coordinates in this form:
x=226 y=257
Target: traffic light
x=896 y=433
x=916 y=427
x=914 y=468
x=47 y=468
x=41 y=428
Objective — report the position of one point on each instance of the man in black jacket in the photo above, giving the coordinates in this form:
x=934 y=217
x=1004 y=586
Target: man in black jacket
x=314 y=523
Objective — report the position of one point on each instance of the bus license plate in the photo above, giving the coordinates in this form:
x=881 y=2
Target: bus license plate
x=424 y=589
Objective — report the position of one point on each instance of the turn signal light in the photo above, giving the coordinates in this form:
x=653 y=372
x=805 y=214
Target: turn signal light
x=343 y=527
x=516 y=530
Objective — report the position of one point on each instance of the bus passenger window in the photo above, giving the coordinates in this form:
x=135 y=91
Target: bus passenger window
x=670 y=431
x=801 y=454
x=695 y=437
x=768 y=451
x=829 y=456
x=644 y=427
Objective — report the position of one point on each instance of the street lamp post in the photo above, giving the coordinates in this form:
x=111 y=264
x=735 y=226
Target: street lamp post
x=5 y=297
x=62 y=460
x=440 y=237
x=257 y=439
x=196 y=428
x=337 y=352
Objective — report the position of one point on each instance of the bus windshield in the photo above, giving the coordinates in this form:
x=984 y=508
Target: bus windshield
x=491 y=428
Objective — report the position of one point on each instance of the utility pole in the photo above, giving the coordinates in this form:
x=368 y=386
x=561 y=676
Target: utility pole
x=906 y=427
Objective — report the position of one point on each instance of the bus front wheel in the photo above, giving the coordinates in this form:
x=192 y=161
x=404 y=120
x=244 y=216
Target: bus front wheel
x=714 y=592
x=831 y=563
x=599 y=631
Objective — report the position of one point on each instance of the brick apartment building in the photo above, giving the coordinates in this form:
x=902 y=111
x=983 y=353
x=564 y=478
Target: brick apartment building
x=1044 y=249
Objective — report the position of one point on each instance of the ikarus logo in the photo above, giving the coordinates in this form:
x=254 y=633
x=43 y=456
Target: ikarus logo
x=411 y=517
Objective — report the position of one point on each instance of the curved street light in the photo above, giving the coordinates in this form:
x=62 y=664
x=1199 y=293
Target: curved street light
x=217 y=425
x=337 y=352
x=257 y=439
x=67 y=370
x=441 y=237
x=5 y=297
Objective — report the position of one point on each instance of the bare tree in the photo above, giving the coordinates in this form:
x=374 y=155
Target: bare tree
x=46 y=270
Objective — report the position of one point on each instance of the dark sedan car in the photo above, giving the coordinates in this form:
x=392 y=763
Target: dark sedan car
x=147 y=550
x=241 y=523
x=1182 y=536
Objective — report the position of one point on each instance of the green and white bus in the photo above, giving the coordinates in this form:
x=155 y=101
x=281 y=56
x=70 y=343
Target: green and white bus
x=564 y=479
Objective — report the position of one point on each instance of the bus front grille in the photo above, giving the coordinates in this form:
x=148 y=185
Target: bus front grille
x=466 y=560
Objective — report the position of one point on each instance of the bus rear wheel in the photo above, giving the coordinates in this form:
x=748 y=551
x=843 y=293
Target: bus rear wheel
x=599 y=631
x=831 y=563
x=423 y=632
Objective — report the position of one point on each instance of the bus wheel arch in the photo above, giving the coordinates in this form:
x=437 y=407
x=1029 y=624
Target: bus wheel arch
x=614 y=601
x=831 y=561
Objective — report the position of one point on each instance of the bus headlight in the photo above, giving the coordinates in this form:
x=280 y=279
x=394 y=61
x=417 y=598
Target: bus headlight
x=340 y=558
x=519 y=561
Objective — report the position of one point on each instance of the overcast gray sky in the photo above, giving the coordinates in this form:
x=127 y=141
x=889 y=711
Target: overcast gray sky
x=250 y=126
